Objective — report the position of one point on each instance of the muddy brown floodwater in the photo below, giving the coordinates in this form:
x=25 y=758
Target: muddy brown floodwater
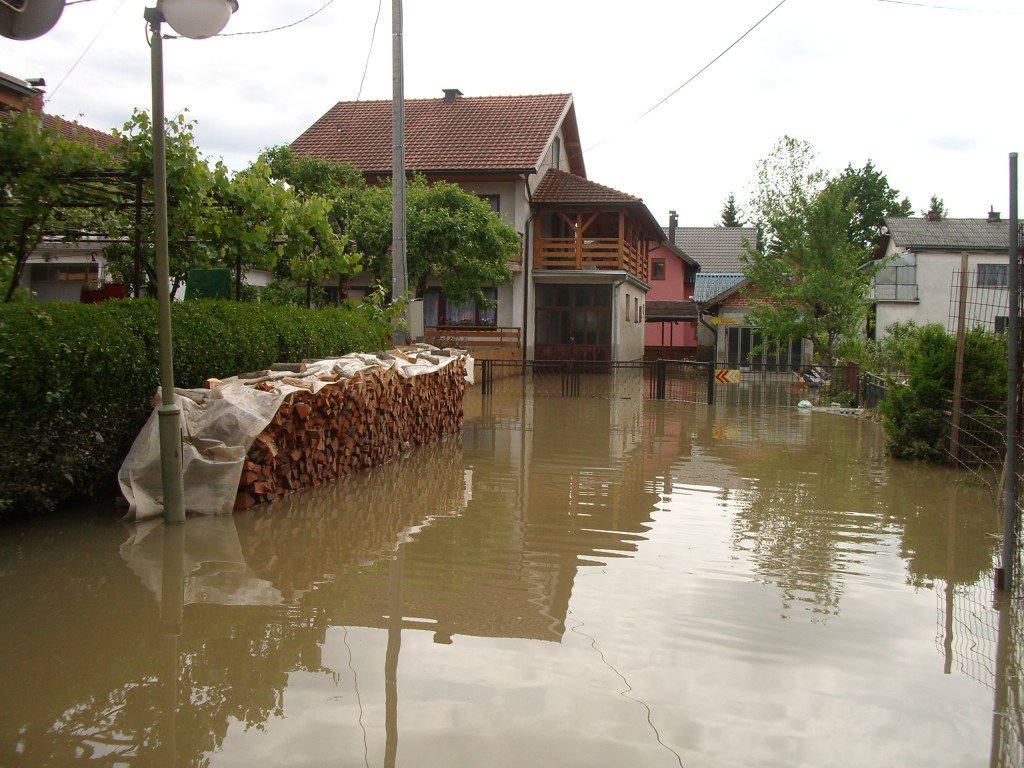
x=590 y=581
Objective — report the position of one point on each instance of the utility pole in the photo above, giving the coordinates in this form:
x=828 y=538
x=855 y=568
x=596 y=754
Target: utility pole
x=399 y=275
x=1012 y=384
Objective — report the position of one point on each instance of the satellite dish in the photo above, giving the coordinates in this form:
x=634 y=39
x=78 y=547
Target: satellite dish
x=28 y=19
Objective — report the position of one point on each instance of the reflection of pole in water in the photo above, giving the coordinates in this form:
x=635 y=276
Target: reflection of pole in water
x=172 y=603
x=950 y=570
x=391 y=659
x=1007 y=728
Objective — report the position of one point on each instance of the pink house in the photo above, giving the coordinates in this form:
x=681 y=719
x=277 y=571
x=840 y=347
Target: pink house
x=671 y=315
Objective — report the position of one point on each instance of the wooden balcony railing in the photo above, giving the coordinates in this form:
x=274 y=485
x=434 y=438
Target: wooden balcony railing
x=591 y=253
x=472 y=336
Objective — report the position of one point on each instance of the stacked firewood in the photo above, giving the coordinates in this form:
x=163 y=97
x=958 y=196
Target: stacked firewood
x=346 y=425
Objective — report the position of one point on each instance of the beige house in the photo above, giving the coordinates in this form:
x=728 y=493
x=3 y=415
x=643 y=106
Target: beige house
x=580 y=282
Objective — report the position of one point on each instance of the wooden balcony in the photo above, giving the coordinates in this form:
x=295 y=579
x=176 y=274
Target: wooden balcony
x=592 y=253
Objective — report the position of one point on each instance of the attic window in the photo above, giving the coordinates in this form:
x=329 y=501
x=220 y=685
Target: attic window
x=657 y=269
x=556 y=153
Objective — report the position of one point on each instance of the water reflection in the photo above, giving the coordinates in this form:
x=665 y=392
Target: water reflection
x=417 y=614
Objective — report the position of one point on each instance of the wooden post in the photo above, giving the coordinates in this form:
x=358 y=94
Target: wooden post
x=958 y=376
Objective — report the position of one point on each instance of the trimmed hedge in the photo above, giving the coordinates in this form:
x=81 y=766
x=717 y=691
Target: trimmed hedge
x=78 y=379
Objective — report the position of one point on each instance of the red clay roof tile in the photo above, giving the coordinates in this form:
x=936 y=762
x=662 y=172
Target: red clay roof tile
x=488 y=133
x=559 y=187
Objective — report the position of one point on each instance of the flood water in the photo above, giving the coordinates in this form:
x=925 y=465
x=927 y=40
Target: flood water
x=590 y=581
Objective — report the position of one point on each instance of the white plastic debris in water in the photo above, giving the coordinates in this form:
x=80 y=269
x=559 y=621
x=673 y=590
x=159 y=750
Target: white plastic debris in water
x=805 y=404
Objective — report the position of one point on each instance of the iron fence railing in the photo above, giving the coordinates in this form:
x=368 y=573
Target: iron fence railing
x=679 y=380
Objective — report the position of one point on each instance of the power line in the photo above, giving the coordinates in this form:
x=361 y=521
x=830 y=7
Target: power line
x=278 y=29
x=373 y=37
x=81 y=56
x=699 y=72
x=950 y=7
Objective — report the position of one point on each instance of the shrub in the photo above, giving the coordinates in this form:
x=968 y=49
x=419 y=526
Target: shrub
x=916 y=416
x=79 y=378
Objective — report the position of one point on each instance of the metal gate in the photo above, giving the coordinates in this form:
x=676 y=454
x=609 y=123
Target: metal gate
x=678 y=380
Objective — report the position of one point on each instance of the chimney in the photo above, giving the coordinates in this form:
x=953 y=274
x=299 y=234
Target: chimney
x=451 y=95
x=673 y=223
x=993 y=215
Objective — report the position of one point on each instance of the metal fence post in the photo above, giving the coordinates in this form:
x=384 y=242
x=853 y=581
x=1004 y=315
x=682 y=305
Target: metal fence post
x=659 y=380
x=711 y=383
x=485 y=371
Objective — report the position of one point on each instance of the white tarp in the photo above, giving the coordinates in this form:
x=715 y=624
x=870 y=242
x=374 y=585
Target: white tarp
x=210 y=562
x=219 y=425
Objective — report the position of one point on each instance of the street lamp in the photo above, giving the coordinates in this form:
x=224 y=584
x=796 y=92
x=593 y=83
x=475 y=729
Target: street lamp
x=196 y=19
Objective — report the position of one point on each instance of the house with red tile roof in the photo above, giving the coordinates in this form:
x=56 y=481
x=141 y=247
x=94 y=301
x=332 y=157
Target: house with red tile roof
x=579 y=288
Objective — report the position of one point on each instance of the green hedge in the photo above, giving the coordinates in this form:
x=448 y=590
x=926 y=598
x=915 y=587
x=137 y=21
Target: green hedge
x=77 y=380
x=916 y=416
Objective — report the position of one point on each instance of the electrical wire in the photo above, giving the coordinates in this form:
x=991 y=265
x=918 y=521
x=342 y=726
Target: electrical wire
x=81 y=56
x=950 y=7
x=359 y=701
x=278 y=29
x=373 y=38
x=629 y=688
x=698 y=73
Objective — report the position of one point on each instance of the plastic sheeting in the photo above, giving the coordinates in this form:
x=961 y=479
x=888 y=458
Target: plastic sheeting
x=219 y=425
x=206 y=558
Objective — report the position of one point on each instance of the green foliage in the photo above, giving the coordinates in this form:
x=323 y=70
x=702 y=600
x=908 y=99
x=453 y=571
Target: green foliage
x=916 y=415
x=79 y=378
x=190 y=185
x=936 y=208
x=870 y=198
x=888 y=356
x=809 y=274
x=451 y=235
x=732 y=216
x=37 y=172
x=285 y=292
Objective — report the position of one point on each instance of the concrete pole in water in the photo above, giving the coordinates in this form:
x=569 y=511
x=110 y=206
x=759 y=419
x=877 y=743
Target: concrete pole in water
x=168 y=412
x=1012 y=383
x=399 y=276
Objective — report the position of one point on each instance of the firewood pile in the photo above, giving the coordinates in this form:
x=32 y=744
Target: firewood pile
x=333 y=421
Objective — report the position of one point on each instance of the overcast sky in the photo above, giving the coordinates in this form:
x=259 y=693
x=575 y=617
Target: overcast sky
x=926 y=91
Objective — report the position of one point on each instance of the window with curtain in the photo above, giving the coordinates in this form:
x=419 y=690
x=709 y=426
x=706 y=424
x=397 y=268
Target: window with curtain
x=437 y=310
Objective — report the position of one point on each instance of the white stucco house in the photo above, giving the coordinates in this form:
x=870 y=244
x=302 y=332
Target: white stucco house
x=921 y=278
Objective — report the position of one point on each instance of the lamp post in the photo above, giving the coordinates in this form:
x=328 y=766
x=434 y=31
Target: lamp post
x=195 y=19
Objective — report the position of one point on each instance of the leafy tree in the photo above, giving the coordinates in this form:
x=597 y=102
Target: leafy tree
x=338 y=186
x=451 y=235
x=340 y=183
x=258 y=222
x=809 y=276
x=936 y=209
x=731 y=213
x=38 y=170
x=868 y=189
x=190 y=184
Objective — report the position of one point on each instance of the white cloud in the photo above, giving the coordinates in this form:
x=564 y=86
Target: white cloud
x=903 y=85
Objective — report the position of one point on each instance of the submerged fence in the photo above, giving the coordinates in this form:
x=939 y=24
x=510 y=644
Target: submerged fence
x=678 y=380
x=683 y=381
